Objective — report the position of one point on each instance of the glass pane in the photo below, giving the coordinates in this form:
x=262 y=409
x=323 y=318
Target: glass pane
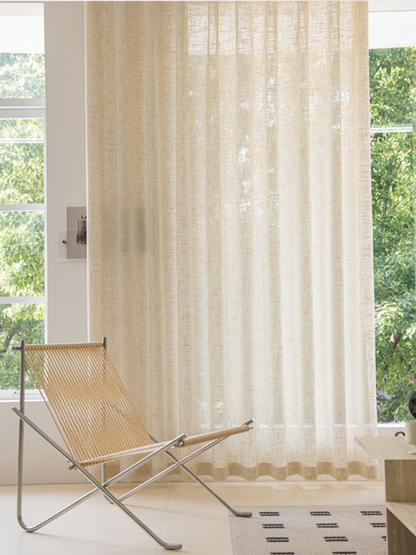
x=18 y=321
x=392 y=85
x=393 y=103
x=22 y=75
x=394 y=272
x=21 y=161
x=21 y=254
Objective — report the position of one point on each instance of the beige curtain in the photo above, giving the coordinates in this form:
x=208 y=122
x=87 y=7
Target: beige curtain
x=230 y=235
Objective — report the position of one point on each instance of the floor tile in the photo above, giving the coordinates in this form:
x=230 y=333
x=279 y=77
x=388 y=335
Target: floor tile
x=343 y=493
x=194 y=498
x=95 y=526
x=180 y=512
x=260 y=493
x=40 y=543
x=155 y=496
x=201 y=550
x=8 y=499
x=196 y=518
x=188 y=528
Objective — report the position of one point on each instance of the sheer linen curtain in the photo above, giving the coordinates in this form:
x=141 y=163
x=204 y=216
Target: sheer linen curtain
x=230 y=232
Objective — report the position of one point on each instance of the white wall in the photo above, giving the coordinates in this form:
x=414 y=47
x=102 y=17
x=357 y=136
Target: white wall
x=66 y=186
x=66 y=163
x=43 y=465
x=391 y=5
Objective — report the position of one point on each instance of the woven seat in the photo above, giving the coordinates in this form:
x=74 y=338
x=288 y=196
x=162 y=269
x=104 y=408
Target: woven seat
x=98 y=421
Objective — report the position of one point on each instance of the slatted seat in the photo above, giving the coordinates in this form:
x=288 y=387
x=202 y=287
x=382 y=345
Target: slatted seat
x=98 y=421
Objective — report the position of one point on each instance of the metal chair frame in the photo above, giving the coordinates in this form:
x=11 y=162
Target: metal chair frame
x=103 y=487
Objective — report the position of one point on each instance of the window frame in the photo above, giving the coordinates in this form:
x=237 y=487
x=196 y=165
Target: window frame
x=27 y=108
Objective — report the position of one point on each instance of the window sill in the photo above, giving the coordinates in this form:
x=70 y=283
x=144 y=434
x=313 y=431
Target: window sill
x=13 y=396
x=390 y=429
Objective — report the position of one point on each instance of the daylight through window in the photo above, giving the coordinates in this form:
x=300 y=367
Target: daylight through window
x=22 y=221
x=393 y=98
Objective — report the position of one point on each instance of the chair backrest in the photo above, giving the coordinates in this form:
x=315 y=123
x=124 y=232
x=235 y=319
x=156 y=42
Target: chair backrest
x=86 y=399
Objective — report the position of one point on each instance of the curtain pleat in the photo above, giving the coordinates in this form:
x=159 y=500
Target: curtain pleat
x=230 y=233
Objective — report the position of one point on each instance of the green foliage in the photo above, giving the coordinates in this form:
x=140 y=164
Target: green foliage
x=21 y=242
x=21 y=161
x=393 y=102
x=21 y=254
x=21 y=274
x=21 y=245
x=392 y=85
x=18 y=321
x=22 y=75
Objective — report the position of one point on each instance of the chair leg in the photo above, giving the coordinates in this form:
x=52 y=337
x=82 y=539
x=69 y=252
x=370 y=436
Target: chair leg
x=211 y=491
x=75 y=464
x=103 y=477
x=20 y=492
x=171 y=468
x=204 y=485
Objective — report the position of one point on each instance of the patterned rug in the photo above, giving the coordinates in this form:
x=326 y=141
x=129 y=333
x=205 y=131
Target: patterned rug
x=310 y=530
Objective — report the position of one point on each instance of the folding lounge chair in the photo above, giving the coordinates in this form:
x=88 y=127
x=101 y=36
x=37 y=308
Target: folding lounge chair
x=98 y=423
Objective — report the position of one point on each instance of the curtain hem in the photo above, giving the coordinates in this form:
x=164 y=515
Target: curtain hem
x=341 y=474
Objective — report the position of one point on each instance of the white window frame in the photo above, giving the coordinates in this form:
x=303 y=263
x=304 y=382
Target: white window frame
x=26 y=108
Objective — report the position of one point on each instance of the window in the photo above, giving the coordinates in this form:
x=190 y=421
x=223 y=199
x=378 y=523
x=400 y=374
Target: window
x=393 y=102
x=22 y=212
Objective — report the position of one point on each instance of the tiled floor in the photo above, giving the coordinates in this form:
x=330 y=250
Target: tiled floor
x=179 y=512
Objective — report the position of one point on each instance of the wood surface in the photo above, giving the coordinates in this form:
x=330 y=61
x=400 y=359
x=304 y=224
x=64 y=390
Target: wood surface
x=387 y=448
x=400 y=483
x=406 y=513
x=400 y=480
x=400 y=540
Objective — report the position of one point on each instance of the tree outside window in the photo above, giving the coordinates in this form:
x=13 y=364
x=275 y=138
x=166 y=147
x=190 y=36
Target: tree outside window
x=393 y=99
x=22 y=215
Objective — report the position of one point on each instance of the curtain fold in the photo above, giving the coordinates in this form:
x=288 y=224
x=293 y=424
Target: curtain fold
x=230 y=232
